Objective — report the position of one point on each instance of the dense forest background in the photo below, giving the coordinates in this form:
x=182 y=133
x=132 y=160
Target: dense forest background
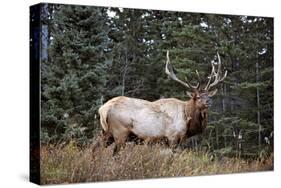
x=90 y=55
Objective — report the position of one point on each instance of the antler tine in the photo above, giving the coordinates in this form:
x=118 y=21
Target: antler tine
x=216 y=75
x=199 y=79
x=211 y=75
x=169 y=71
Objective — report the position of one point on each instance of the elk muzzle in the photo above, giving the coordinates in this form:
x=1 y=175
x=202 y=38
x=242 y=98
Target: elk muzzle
x=207 y=101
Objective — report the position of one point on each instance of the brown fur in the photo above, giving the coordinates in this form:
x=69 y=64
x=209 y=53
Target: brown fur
x=198 y=115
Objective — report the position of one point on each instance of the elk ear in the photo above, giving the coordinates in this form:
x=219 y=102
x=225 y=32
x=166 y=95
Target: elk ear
x=212 y=93
x=189 y=94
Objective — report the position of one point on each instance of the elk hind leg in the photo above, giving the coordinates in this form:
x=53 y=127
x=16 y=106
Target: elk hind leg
x=119 y=143
x=107 y=139
x=120 y=138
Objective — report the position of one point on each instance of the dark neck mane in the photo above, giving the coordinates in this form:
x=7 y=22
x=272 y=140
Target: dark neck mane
x=198 y=118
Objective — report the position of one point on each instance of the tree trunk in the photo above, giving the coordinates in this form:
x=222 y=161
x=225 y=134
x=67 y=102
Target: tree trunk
x=217 y=136
x=124 y=73
x=223 y=110
x=258 y=103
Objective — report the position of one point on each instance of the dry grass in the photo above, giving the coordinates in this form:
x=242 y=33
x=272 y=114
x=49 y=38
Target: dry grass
x=71 y=164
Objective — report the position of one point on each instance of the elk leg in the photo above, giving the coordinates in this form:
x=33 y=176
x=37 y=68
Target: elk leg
x=119 y=143
x=120 y=136
x=181 y=141
x=116 y=149
x=107 y=139
x=173 y=143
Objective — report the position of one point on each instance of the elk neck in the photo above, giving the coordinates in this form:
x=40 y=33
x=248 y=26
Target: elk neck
x=198 y=121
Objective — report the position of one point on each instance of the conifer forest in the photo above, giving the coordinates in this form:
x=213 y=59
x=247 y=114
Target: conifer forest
x=90 y=55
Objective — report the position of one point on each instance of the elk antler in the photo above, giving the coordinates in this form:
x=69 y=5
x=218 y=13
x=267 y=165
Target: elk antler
x=215 y=74
x=169 y=71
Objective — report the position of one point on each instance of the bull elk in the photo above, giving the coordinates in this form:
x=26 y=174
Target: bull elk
x=168 y=118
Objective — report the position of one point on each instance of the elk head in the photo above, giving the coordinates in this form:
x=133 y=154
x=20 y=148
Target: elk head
x=200 y=94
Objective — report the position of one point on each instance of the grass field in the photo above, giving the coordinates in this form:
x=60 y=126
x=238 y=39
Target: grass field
x=72 y=164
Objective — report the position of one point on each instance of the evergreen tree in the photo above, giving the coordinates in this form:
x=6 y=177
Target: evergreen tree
x=73 y=81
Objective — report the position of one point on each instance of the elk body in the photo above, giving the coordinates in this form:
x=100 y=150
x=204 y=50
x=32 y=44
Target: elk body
x=169 y=118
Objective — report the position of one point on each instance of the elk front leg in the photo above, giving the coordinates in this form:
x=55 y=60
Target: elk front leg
x=173 y=142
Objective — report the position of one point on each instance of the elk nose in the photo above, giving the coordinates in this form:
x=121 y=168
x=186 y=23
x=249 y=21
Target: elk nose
x=209 y=102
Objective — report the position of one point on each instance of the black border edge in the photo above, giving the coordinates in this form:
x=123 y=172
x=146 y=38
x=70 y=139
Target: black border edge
x=34 y=92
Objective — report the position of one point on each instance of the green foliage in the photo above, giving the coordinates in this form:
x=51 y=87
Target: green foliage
x=74 y=82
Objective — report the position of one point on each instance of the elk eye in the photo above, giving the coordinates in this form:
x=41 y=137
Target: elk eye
x=197 y=97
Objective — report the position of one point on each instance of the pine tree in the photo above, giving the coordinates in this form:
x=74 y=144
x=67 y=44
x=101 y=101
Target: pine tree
x=74 y=79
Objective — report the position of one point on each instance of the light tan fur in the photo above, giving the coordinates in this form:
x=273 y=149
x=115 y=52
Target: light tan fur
x=164 y=118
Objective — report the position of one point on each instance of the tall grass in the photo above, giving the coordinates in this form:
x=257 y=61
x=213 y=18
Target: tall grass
x=72 y=164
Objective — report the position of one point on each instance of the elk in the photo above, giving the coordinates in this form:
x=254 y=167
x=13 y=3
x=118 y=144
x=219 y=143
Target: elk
x=167 y=118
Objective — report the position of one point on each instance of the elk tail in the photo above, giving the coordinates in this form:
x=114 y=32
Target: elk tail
x=103 y=118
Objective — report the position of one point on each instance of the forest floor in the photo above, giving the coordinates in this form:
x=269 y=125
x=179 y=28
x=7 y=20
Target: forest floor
x=73 y=164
